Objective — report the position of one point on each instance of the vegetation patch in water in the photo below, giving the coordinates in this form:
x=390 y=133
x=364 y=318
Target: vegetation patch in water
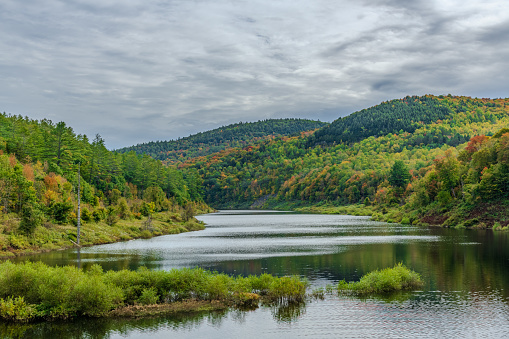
x=383 y=281
x=36 y=291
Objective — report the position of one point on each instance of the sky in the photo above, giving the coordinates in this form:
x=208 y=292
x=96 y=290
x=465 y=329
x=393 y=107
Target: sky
x=146 y=70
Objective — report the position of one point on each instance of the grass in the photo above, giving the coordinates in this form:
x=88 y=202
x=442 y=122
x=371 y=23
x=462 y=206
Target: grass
x=383 y=281
x=30 y=291
x=49 y=237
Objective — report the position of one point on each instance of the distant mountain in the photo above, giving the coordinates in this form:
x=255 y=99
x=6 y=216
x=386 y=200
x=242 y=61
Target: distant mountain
x=231 y=136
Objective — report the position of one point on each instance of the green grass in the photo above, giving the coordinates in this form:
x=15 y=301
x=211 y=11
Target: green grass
x=50 y=236
x=387 y=280
x=31 y=291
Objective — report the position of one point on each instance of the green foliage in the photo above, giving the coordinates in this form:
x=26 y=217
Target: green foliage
x=384 y=281
x=99 y=214
x=399 y=176
x=61 y=211
x=111 y=215
x=86 y=215
x=38 y=175
x=124 y=211
x=16 y=309
x=395 y=116
x=31 y=217
x=148 y=296
x=231 y=136
x=429 y=157
x=31 y=290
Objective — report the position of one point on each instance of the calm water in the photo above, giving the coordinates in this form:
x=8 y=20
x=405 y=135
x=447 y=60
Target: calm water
x=465 y=272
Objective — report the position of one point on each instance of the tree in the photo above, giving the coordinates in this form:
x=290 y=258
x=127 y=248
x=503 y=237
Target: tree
x=399 y=175
x=448 y=170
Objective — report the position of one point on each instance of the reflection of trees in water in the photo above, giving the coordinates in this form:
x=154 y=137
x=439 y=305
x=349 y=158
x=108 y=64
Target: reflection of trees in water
x=287 y=312
x=103 y=328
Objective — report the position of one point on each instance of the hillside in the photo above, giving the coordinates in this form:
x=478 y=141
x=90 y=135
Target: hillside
x=39 y=164
x=325 y=169
x=231 y=136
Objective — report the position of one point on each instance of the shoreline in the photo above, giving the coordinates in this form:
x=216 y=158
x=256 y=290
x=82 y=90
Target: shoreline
x=55 y=237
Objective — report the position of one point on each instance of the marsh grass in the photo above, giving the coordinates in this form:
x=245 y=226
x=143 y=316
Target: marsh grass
x=34 y=290
x=383 y=281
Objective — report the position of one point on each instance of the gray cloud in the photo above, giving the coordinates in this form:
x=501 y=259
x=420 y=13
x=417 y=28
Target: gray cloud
x=147 y=70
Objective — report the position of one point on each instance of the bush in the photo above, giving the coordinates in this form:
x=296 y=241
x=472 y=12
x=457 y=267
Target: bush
x=145 y=234
x=148 y=296
x=61 y=211
x=405 y=221
x=123 y=209
x=99 y=214
x=86 y=215
x=31 y=217
x=31 y=290
x=384 y=281
x=111 y=217
x=16 y=309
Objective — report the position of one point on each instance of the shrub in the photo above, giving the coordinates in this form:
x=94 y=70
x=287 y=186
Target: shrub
x=405 y=221
x=31 y=217
x=16 y=309
x=145 y=234
x=61 y=211
x=86 y=215
x=37 y=290
x=148 y=296
x=383 y=281
x=111 y=217
x=99 y=214
x=123 y=209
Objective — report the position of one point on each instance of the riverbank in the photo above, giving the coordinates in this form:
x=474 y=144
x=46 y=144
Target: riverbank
x=51 y=237
x=484 y=215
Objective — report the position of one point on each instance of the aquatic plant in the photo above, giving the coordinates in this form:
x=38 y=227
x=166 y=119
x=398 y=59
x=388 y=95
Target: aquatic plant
x=383 y=281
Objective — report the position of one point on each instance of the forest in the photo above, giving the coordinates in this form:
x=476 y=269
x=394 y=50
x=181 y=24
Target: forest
x=39 y=166
x=222 y=138
x=447 y=150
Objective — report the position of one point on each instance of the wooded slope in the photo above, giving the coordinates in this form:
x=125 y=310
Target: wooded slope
x=226 y=137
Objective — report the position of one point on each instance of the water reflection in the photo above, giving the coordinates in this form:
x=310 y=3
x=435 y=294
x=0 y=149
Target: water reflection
x=466 y=274
x=414 y=315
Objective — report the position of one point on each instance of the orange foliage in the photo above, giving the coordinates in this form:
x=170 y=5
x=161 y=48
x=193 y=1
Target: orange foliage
x=12 y=160
x=28 y=172
x=51 y=182
x=49 y=197
x=475 y=143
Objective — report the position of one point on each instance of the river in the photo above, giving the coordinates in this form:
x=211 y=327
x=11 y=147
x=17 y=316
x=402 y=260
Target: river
x=466 y=274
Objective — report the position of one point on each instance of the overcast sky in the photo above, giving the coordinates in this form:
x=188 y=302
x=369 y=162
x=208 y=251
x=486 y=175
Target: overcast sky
x=145 y=70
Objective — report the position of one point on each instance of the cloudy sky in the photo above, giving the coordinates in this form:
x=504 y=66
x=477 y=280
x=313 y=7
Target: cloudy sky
x=142 y=70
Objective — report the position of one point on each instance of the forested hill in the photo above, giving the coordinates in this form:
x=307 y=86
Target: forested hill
x=403 y=115
x=231 y=136
x=39 y=163
x=429 y=151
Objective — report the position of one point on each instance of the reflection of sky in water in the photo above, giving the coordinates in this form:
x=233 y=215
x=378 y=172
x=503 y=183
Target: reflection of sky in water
x=465 y=273
x=257 y=236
